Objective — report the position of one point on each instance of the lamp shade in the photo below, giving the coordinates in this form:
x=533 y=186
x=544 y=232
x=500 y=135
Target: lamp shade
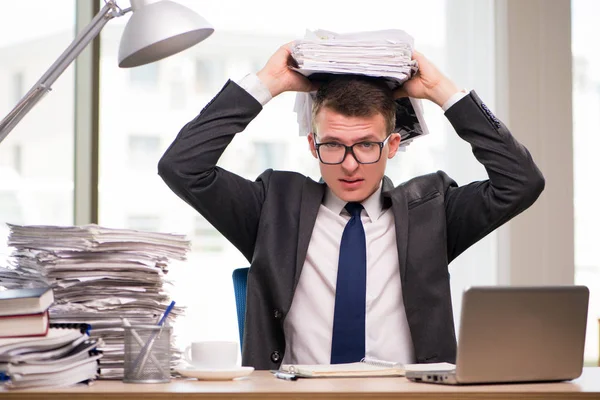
x=159 y=29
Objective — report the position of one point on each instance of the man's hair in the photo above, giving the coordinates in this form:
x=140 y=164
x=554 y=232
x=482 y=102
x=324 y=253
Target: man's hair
x=356 y=96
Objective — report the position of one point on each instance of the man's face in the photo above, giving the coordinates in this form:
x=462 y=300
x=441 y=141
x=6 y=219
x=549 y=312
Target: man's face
x=351 y=181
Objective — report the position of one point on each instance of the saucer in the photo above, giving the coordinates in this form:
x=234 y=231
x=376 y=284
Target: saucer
x=214 y=374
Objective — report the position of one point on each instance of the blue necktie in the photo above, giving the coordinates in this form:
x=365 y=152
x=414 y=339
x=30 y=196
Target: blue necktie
x=348 y=338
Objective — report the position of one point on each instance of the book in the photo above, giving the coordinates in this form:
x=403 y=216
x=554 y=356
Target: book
x=13 y=348
x=25 y=301
x=65 y=356
x=367 y=367
x=24 y=325
x=80 y=373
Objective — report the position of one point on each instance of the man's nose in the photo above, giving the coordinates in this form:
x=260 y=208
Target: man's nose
x=350 y=163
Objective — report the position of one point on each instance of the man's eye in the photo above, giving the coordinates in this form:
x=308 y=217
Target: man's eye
x=331 y=145
x=366 y=145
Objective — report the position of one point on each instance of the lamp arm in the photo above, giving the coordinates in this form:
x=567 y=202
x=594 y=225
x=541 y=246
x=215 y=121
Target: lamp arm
x=44 y=84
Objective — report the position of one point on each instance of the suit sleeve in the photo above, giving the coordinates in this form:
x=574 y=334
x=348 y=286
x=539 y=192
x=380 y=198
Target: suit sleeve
x=229 y=202
x=515 y=182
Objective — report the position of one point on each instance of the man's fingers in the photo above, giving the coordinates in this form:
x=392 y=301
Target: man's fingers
x=416 y=55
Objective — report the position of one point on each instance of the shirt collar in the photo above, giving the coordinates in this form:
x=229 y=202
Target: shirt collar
x=373 y=204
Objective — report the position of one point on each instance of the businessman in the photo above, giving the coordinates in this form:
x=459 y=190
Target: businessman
x=352 y=266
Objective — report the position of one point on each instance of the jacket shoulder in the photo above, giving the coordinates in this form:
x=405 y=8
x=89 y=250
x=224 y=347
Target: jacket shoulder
x=425 y=186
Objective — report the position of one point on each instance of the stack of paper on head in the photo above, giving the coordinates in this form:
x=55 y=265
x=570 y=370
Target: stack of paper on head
x=99 y=276
x=385 y=54
x=64 y=356
x=24 y=311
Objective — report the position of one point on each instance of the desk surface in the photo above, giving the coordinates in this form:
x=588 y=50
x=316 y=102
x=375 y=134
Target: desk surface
x=262 y=385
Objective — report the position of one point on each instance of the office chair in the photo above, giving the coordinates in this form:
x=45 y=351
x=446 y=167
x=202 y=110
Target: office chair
x=240 y=281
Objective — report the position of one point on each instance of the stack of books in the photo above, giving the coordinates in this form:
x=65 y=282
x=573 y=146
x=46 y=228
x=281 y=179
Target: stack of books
x=24 y=312
x=99 y=276
x=35 y=353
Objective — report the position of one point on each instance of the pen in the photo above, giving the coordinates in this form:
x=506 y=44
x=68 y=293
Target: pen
x=285 y=375
x=145 y=352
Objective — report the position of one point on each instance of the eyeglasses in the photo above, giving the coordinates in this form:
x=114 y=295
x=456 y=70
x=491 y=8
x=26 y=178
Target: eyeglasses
x=332 y=153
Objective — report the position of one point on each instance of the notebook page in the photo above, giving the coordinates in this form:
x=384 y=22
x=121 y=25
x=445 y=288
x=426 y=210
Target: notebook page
x=342 y=370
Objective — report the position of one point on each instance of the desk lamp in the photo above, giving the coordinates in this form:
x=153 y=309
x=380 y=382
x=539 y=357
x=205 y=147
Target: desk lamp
x=156 y=29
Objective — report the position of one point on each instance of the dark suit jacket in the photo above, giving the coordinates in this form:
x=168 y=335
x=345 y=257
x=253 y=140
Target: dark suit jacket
x=270 y=220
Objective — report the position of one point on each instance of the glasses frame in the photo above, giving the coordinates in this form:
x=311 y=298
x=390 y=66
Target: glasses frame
x=350 y=149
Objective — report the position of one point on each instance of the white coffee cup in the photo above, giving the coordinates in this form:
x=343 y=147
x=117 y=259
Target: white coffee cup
x=212 y=354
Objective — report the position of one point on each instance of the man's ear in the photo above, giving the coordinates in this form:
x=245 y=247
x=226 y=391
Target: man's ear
x=394 y=144
x=311 y=144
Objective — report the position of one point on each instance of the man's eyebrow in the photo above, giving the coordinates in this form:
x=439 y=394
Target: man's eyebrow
x=369 y=137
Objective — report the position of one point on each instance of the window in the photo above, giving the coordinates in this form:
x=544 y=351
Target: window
x=18 y=87
x=10 y=207
x=586 y=125
x=267 y=155
x=148 y=223
x=240 y=46
x=206 y=238
x=18 y=158
x=144 y=75
x=143 y=150
x=178 y=94
x=13 y=159
x=208 y=75
x=36 y=185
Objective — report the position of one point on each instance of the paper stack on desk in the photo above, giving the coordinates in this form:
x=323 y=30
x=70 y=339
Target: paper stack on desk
x=99 y=276
x=385 y=54
x=64 y=356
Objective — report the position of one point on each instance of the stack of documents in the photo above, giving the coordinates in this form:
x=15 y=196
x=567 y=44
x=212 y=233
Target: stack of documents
x=385 y=54
x=24 y=311
x=99 y=276
x=63 y=357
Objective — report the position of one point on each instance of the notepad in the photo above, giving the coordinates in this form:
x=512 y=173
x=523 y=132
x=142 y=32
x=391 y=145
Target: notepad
x=367 y=367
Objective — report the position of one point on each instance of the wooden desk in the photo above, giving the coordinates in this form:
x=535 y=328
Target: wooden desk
x=262 y=385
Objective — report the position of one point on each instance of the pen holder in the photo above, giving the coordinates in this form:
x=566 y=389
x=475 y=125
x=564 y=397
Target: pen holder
x=147 y=354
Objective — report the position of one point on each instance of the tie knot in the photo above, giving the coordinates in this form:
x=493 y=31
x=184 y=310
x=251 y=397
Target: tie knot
x=354 y=209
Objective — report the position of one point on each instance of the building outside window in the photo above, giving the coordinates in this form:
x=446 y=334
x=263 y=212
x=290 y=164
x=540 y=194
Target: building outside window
x=144 y=75
x=143 y=150
x=241 y=46
x=133 y=196
x=586 y=142
x=18 y=87
x=147 y=223
x=36 y=158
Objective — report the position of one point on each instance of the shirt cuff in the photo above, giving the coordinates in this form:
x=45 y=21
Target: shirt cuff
x=254 y=86
x=453 y=100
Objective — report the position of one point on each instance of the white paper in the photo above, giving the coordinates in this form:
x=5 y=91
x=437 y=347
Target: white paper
x=385 y=53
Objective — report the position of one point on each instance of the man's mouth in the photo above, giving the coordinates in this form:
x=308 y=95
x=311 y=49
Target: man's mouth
x=351 y=180
x=351 y=184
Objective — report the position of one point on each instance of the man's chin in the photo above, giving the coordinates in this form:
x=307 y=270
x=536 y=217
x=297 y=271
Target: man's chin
x=351 y=196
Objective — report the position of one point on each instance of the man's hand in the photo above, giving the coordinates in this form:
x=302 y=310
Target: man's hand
x=429 y=83
x=277 y=76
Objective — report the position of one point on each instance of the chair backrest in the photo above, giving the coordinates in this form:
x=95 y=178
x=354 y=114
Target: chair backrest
x=240 y=281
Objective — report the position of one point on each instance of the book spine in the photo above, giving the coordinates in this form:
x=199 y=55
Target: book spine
x=44 y=333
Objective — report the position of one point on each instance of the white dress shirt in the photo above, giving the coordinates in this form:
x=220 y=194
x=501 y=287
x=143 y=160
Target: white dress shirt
x=308 y=325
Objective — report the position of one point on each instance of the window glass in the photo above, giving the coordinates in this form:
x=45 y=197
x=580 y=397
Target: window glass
x=586 y=125
x=241 y=45
x=36 y=158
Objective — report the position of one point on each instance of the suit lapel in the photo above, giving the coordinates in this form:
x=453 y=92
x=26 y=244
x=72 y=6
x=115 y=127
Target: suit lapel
x=400 y=210
x=312 y=197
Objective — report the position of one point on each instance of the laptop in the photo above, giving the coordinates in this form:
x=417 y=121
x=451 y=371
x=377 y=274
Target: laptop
x=517 y=334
